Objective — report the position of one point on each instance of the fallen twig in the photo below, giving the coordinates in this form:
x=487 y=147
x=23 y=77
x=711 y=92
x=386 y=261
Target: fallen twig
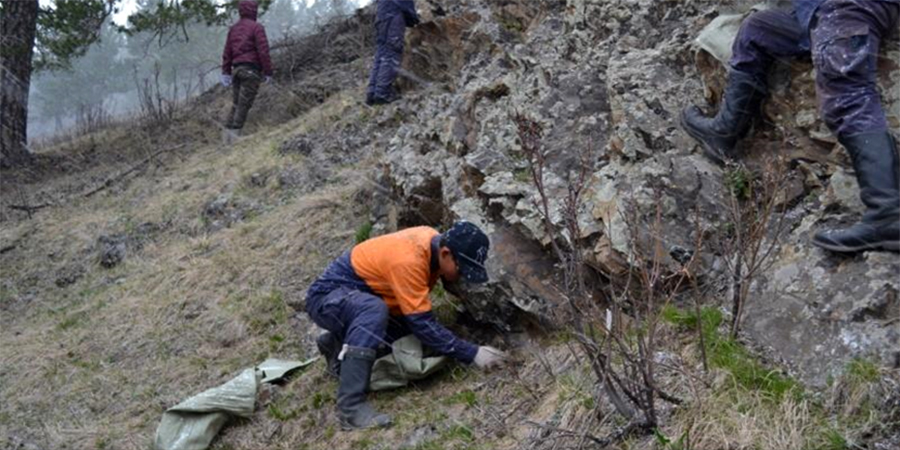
x=30 y=209
x=600 y=441
x=109 y=182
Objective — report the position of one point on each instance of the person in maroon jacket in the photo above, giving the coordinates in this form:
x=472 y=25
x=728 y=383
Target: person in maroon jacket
x=245 y=63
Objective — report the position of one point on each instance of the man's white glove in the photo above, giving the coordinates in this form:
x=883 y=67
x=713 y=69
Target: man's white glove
x=226 y=80
x=488 y=357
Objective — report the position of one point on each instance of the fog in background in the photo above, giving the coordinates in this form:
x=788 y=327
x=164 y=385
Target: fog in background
x=123 y=75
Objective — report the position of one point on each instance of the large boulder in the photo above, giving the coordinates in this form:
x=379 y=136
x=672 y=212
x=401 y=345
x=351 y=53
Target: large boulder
x=605 y=81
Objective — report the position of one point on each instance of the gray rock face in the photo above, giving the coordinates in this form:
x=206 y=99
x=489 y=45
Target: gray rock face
x=606 y=80
x=816 y=310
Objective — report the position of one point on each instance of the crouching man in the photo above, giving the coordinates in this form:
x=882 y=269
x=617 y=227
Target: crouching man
x=377 y=292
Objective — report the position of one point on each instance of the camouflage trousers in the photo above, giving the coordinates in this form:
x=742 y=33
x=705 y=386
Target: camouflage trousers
x=846 y=36
x=244 y=87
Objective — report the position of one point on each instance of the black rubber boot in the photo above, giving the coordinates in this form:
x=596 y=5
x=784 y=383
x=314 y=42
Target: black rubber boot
x=740 y=104
x=874 y=158
x=392 y=97
x=329 y=346
x=354 y=411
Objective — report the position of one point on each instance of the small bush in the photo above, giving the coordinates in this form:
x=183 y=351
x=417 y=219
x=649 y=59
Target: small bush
x=738 y=183
x=364 y=232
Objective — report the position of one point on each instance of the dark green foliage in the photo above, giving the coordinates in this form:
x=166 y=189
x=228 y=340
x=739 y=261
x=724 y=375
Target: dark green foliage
x=66 y=28
x=364 y=232
x=739 y=182
x=170 y=20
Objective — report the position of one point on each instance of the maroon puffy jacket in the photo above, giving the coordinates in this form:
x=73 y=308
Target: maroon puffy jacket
x=247 y=42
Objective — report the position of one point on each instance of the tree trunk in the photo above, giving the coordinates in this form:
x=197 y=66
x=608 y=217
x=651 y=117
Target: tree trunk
x=18 y=25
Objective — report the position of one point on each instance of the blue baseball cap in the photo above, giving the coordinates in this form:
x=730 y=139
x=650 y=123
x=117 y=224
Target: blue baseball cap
x=469 y=246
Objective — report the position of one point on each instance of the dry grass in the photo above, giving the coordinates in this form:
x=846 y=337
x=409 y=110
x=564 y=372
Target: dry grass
x=94 y=364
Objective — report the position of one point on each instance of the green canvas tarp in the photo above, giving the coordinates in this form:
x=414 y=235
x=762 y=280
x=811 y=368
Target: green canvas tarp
x=195 y=422
x=406 y=362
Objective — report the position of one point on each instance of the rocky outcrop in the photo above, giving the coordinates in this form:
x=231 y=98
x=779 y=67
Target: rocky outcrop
x=606 y=82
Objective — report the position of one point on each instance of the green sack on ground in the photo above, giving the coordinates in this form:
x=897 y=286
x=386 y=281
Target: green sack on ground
x=195 y=422
x=406 y=362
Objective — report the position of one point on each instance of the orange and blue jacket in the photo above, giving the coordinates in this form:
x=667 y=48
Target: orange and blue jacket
x=401 y=269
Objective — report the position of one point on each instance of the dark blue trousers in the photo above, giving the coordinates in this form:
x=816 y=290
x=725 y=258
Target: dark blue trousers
x=389 y=42
x=357 y=318
x=845 y=37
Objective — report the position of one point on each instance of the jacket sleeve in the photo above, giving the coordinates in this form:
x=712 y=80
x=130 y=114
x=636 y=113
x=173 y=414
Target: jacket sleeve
x=409 y=281
x=227 y=56
x=438 y=338
x=262 y=49
x=410 y=16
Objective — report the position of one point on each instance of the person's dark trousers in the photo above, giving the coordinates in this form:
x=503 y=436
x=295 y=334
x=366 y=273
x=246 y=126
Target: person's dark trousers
x=244 y=87
x=356 y=318
x=846 y=37
x=359 y=321
x=764 y=37
x=389 y=43
x=329 y=344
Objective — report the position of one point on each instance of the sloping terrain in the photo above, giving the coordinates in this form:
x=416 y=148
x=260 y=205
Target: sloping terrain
x=177 y=275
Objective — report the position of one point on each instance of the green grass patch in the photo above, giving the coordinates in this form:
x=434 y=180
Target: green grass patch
x=726 y=353
x=834 y=440
x=7 y=294
x=71 y=321
x=862 y=371
x=364 y=232
x=747 y=371
x=467 y=397
x=443 y=305
x=321 y=400
x=738 y=182
x=523 y=175
x=457 y=436
x=668 y=442
x=266 y=311
x=283 y=411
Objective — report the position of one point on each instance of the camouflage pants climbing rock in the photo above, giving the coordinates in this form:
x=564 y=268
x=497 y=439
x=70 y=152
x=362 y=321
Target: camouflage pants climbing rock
x=245 y=86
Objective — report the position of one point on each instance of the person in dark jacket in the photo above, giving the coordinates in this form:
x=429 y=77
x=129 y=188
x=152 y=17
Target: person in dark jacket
x=391 y=21
x=245 y=63
x=843 y=37
x=378 y=292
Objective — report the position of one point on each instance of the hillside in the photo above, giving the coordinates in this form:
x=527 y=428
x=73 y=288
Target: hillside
x=149 y=261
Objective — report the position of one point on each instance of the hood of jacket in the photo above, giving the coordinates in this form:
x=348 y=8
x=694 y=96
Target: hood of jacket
x=248 y=9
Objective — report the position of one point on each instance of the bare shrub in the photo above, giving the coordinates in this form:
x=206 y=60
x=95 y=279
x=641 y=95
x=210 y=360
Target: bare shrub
x=91 y=118
x=156 y=106
x=619 y=338
x=753 y=228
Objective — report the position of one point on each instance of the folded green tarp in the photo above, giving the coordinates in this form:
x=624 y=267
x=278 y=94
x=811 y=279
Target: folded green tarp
x=193 y=423
x=406 y=362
